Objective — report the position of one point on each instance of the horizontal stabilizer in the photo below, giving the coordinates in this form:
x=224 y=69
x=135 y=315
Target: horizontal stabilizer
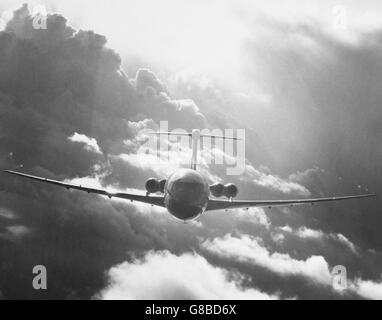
x=189 y=134
x=195 y=136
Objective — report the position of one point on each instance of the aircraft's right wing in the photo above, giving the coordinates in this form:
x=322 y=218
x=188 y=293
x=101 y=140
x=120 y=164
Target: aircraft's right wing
x=154 y=200
x=214 y=204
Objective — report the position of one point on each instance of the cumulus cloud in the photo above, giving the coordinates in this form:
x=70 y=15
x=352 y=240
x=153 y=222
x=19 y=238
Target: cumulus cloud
x=151 y=162
x=246 y=249
x=15 y=233
x=276 y=183
x=162 y=275
x=146 y=79
x=90 y=144
x=308 y=233
x=182 y=113
x=368 y=289
x=18 y=231
x=277 y=237
x=249 y=249
x=341 y=238
x=304 y=232
x=254 y=215
x=7 y=214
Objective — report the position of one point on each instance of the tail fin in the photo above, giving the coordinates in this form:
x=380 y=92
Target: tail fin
x=196 y=136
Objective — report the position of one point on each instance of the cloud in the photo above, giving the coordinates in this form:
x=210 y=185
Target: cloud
x=341 y=238
x=286 y=228
x=249 y=249
x=274 y=182
x=307 y=233
x=155 y=96
x=18 y=231
x=277 y=237
x=7 y=214
x=163 y=275
x=254 y=215
x=304 y=232
x=368 y=289
x=162 y=168
x=145 y=79
x=90 y=144
x=15 y=233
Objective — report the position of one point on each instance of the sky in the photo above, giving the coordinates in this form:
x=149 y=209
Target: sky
x=303 y=80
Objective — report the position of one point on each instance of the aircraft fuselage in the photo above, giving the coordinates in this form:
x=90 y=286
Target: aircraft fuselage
x=186 y=194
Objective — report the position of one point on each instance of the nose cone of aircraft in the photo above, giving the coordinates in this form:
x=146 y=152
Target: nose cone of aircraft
x=183 y=211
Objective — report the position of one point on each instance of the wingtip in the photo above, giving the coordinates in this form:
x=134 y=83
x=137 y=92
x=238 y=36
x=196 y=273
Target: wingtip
x=369 y=195
x=10 y=171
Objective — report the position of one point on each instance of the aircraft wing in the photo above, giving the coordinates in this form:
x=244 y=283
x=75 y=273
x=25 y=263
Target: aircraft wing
x=154 y=200
x=232 y=204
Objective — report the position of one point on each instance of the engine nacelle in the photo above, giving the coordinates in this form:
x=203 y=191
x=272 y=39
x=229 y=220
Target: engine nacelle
x=230 y=190
x=152 y=185
x=162 y=183
x=217 y=189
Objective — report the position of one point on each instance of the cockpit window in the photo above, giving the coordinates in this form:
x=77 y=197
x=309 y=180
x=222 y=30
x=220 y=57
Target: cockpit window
x=194 y=188
x=189 y=191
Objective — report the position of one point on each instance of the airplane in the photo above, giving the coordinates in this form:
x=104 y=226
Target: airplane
x=186 y=193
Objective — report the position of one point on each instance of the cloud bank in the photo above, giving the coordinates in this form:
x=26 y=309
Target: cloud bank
x=162 y=275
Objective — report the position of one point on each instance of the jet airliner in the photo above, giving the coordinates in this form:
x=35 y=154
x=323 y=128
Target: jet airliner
x=186 y=193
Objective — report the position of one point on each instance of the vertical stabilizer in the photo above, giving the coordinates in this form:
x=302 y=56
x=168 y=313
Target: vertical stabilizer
x=195 y=136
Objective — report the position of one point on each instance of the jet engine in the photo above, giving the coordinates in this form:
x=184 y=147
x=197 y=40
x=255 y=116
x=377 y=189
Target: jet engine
x=230 y=190
x=217 y=189
x=154 y=185
x=162 y=183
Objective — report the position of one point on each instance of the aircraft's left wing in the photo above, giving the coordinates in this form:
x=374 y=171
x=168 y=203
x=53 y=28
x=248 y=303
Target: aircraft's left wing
x=228 y=204
x=154 y=200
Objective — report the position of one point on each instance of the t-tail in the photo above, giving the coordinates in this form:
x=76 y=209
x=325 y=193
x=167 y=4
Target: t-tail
x=195 y=136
